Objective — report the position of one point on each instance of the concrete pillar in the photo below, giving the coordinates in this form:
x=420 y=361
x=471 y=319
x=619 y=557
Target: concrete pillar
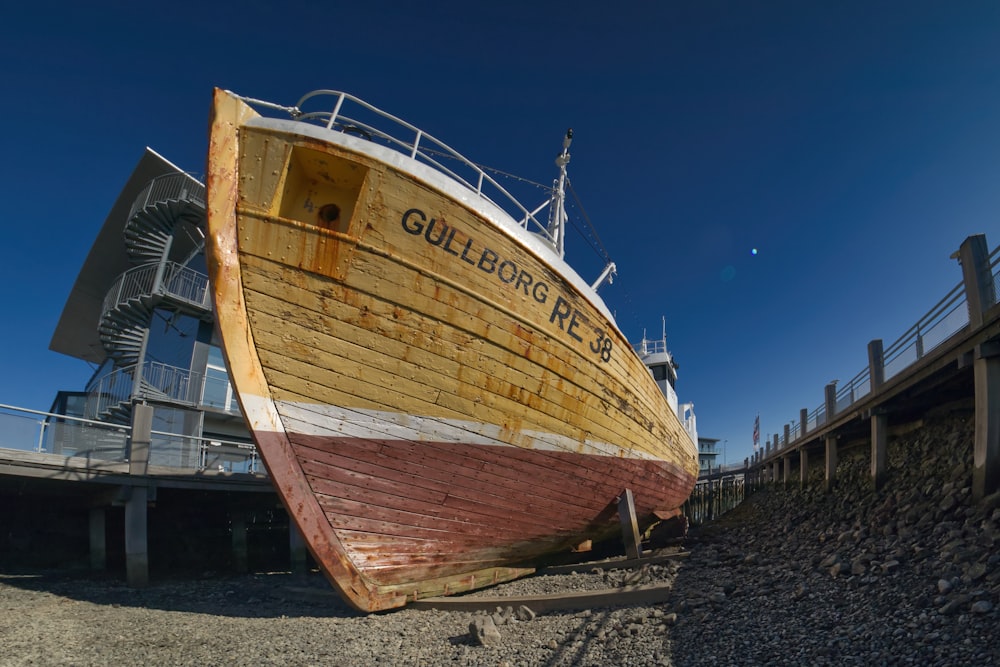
x=880 y=440
x=136 y=545
x=803 y=467
x=876 y=364
x=788 y=468
x=98 y=539
x=831 y=462
x=238 y=524
x=986 y=450
x=296 y=548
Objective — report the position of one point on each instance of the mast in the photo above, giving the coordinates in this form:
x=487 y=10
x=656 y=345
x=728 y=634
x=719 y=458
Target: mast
x=557 y=210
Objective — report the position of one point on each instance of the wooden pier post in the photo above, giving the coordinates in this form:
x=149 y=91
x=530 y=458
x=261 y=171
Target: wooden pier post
x=986 y=452
x=830 y=401
x=788 y=468
x=880 y=439
x=136 y=543
x=831 y=462
x=879 y=419
x=876 y=365
x=803 y=467
x=977 y=277
x=803 y=421
x=980 y=295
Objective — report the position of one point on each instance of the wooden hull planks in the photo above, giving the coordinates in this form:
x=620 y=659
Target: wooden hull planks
x=438 y=401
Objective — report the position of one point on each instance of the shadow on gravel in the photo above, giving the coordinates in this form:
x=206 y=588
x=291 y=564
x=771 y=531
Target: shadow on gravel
x=267 y=595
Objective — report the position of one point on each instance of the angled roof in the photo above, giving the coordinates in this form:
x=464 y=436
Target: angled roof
x=76 y=333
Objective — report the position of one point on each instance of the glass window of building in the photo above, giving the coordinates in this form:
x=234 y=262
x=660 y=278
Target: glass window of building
x=218 y=391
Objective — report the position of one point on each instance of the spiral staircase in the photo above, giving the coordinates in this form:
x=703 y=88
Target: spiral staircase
x=160 y=209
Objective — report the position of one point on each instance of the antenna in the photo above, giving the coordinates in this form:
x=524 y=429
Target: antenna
x=557 y=210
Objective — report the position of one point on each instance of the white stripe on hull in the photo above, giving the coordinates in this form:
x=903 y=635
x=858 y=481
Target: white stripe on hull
x=334 y=421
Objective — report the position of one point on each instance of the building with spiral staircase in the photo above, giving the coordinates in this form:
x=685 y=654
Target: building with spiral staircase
x=140 y=312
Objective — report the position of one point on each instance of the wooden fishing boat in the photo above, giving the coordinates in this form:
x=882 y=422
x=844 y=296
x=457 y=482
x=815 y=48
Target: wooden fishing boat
x=439 y=398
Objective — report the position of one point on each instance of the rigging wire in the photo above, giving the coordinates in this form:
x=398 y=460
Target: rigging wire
x=587 y=230
x=583 y=225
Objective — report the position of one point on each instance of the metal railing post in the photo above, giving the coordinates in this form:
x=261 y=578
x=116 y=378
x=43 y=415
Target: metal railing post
x=41 y=436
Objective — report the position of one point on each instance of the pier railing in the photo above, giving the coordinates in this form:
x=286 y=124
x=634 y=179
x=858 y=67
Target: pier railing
x=39 y=432
x=947 y=318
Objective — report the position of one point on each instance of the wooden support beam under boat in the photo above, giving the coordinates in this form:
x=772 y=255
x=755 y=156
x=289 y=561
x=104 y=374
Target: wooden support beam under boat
x=630 y=525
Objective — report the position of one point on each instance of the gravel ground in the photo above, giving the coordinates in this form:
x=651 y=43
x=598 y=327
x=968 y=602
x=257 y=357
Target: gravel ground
x=907 y=575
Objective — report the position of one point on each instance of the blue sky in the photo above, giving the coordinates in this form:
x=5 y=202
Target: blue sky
x=854 y=144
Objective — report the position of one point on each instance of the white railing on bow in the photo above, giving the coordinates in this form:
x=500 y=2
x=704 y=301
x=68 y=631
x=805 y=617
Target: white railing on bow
x=352 y=115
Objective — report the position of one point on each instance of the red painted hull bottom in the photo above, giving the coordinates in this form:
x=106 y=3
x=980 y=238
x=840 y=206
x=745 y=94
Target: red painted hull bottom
x=402 y=512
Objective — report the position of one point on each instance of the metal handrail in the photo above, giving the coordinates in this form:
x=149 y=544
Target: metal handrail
x=77 y=437
x=856 y=388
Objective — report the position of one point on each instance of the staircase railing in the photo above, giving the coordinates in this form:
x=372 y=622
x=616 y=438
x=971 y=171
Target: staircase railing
x=162 y=382
x=180 y=282
x=169 y=186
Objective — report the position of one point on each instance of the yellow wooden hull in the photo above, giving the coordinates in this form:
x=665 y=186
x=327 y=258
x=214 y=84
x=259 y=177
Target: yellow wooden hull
x=437 y=400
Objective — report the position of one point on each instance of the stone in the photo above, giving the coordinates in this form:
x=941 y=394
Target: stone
x=484 y=631
x=982 y=607
x=524 y=613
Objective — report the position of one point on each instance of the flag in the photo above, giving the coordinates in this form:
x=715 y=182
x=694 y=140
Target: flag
x=756 y=433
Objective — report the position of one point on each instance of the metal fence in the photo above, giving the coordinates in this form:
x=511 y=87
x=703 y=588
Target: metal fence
x=73 y=437
x=43 y=432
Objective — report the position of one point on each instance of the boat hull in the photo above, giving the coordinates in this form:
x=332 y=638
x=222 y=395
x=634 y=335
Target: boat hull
x=438 y=400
